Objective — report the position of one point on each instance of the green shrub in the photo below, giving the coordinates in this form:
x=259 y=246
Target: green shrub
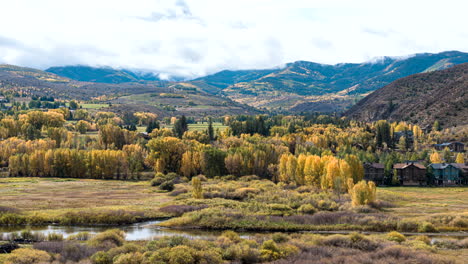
x=424 y=239
x=101 y=257
x=115 y=237
x=182 y=255
x=395 y=236
x=270 y=251
x=307 y=209
x=167 y=186
x=157 y=181
x=407 y=226
x=166 y=241
x=279 y=237
x=356 y=237
x=129 y=258
x=27 y=256
x=231 y=235
x=126 y=248
x=426 y=227
x=171 y=176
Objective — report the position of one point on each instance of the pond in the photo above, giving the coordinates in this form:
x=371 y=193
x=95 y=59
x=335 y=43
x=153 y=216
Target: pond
x=148 y=230
x=137 y=231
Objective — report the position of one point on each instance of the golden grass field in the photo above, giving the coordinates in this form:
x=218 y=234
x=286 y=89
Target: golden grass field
x=53 y=196
x=422 y=202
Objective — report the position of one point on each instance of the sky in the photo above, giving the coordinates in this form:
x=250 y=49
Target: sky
x=191 y=38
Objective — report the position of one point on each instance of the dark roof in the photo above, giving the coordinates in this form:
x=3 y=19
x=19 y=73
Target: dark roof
x=462 y=166
x=374 y=165
x=405 y=165
x=441 y=166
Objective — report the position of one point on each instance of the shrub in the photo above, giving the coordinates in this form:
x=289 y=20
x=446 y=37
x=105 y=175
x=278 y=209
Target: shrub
x=426 y=227
x=112 y=237
x=395 y=236
x=171 y=176
x=232 y=236
x=129 y=258
x=407 y=226
x=126 y=248
x=101 y=257
x=307 y=209
x=157 y=181
x=167 y=186
x=270 y=251
x=280 y=209
x=68 y=251
x=279 y=237
x=181 y=255
x=209 y=257
x=197 y=190
x=459 y=221
x=244 y=253
x=27 y=256
x=424 y=239
x=166 y=241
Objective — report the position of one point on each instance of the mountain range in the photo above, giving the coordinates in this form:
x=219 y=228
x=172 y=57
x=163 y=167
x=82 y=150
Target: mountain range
x=299 y=86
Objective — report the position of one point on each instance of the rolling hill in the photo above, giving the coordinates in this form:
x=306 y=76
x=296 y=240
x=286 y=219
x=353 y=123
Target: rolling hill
x=420 y=98
x=161 y=97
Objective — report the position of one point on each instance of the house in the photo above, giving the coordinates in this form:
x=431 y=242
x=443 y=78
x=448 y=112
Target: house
x=411 y=173
x=463 y=172
x=453 y=146
x=446 y=174
x=374 y=172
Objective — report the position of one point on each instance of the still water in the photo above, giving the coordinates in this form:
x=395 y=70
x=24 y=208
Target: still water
x=137 y=231
x=148 y=230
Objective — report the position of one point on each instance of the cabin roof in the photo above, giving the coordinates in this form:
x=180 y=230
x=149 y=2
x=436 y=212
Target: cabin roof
x=407 y=164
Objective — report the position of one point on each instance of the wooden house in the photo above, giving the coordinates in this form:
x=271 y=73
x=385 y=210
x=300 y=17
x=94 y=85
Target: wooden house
x=446 y=174
x=453 y=146
x=463 y=172
x=411 y=173
x=374 y=172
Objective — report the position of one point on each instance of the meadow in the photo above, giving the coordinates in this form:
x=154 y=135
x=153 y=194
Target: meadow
x=245 y=204
x=47 y=200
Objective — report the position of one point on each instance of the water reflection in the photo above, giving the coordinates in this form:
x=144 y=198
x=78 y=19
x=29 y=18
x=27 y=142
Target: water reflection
x=138 y=231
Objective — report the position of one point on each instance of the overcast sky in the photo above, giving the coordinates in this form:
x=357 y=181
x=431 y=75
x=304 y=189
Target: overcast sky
x=196 y=37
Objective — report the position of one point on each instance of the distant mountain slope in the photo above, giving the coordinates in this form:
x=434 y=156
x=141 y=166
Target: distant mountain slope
x=226 y=78
x=303 y=81
x=102 y=74
x=420 y=98
x=163 y=98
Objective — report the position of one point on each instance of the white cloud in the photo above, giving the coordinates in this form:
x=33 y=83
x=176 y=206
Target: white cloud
x=195 y=37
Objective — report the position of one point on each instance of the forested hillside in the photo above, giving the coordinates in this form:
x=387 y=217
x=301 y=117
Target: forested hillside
x=421 y=98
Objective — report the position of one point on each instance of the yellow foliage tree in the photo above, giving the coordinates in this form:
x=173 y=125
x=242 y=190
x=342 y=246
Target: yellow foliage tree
x=460 y=158
x=435 y=157
x=362 y=193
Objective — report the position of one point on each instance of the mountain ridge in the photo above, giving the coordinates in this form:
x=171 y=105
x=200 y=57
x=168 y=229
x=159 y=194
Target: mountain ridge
x=420 y=98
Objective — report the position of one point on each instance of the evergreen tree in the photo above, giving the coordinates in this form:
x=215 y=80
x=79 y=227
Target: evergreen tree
x=180 y=126
x=210 y=130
